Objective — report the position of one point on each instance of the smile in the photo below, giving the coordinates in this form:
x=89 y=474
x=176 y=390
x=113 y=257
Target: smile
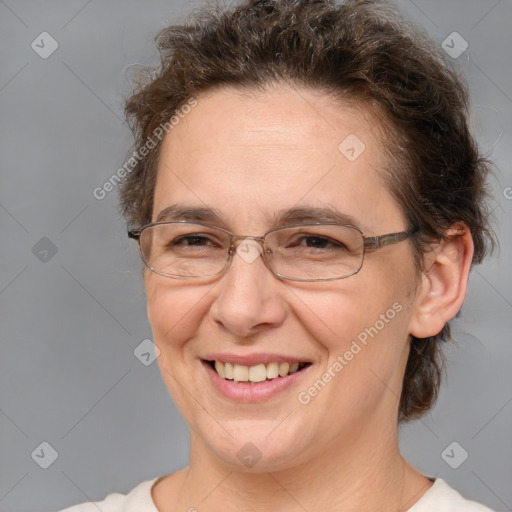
x=256 y=373
x=259 y=379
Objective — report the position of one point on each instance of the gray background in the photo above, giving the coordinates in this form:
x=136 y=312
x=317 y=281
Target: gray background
x=70 y=324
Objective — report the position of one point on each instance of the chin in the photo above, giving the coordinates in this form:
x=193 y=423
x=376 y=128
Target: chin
x=255 y=449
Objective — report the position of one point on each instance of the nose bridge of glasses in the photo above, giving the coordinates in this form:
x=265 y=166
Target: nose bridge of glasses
x=236 y=240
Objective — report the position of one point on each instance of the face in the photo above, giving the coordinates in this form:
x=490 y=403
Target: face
x=250 y=157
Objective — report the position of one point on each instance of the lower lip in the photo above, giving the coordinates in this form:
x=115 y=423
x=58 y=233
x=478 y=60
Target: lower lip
x=252 y=392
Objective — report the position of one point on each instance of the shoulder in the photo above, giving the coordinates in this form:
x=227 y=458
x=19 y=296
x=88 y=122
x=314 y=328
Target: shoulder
x=137 y=500
x=443 y=498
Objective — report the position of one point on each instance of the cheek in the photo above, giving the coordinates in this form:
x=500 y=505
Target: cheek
x=366 y=350
x=174 y=311
x=336 y=313
x=365 y=325
x=330 y=316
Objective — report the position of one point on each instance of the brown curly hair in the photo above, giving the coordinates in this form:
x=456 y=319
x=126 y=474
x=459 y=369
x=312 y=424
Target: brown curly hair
x=359 y=49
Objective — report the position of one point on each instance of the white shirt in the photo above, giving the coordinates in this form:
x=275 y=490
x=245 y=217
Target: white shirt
x=439 y=498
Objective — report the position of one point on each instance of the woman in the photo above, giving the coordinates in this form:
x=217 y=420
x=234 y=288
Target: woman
x=308 y=203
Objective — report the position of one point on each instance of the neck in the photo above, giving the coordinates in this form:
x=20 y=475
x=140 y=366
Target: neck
x=362 y=473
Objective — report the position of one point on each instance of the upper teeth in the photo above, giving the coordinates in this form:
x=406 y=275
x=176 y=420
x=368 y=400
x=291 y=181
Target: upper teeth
x=257 y=373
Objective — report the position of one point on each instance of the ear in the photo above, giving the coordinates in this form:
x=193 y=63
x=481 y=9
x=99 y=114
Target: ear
x=444 y=283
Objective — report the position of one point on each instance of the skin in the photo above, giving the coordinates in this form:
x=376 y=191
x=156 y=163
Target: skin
x=249 y=155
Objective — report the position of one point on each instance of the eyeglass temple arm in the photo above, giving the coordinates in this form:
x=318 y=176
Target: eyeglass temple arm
x=134 y=233
x=372 y=243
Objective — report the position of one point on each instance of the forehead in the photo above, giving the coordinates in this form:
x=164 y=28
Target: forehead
x=280 y=117
x=248 y=154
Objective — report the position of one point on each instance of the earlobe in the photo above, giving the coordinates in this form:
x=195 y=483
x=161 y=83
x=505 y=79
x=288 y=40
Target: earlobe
x=444 y=283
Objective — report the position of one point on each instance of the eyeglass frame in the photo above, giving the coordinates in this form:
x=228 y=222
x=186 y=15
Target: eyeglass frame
x=370 y=244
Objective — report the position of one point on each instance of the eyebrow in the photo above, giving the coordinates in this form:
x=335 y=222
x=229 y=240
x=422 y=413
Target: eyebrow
x=280 y=218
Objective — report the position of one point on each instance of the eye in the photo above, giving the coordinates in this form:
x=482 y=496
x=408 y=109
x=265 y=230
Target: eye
x=192 y=240
x=316 y=242
x=319 y=242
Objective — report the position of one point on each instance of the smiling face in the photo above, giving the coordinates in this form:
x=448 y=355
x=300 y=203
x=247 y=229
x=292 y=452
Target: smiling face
x=250 y=158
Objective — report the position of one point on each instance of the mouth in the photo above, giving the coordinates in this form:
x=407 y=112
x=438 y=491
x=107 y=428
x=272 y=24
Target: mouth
x=258 y=373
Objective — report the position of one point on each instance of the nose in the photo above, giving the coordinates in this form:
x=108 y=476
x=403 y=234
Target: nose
x=249 y=297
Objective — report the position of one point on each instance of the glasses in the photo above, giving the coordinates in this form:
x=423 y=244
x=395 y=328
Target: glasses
x=298 y=252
